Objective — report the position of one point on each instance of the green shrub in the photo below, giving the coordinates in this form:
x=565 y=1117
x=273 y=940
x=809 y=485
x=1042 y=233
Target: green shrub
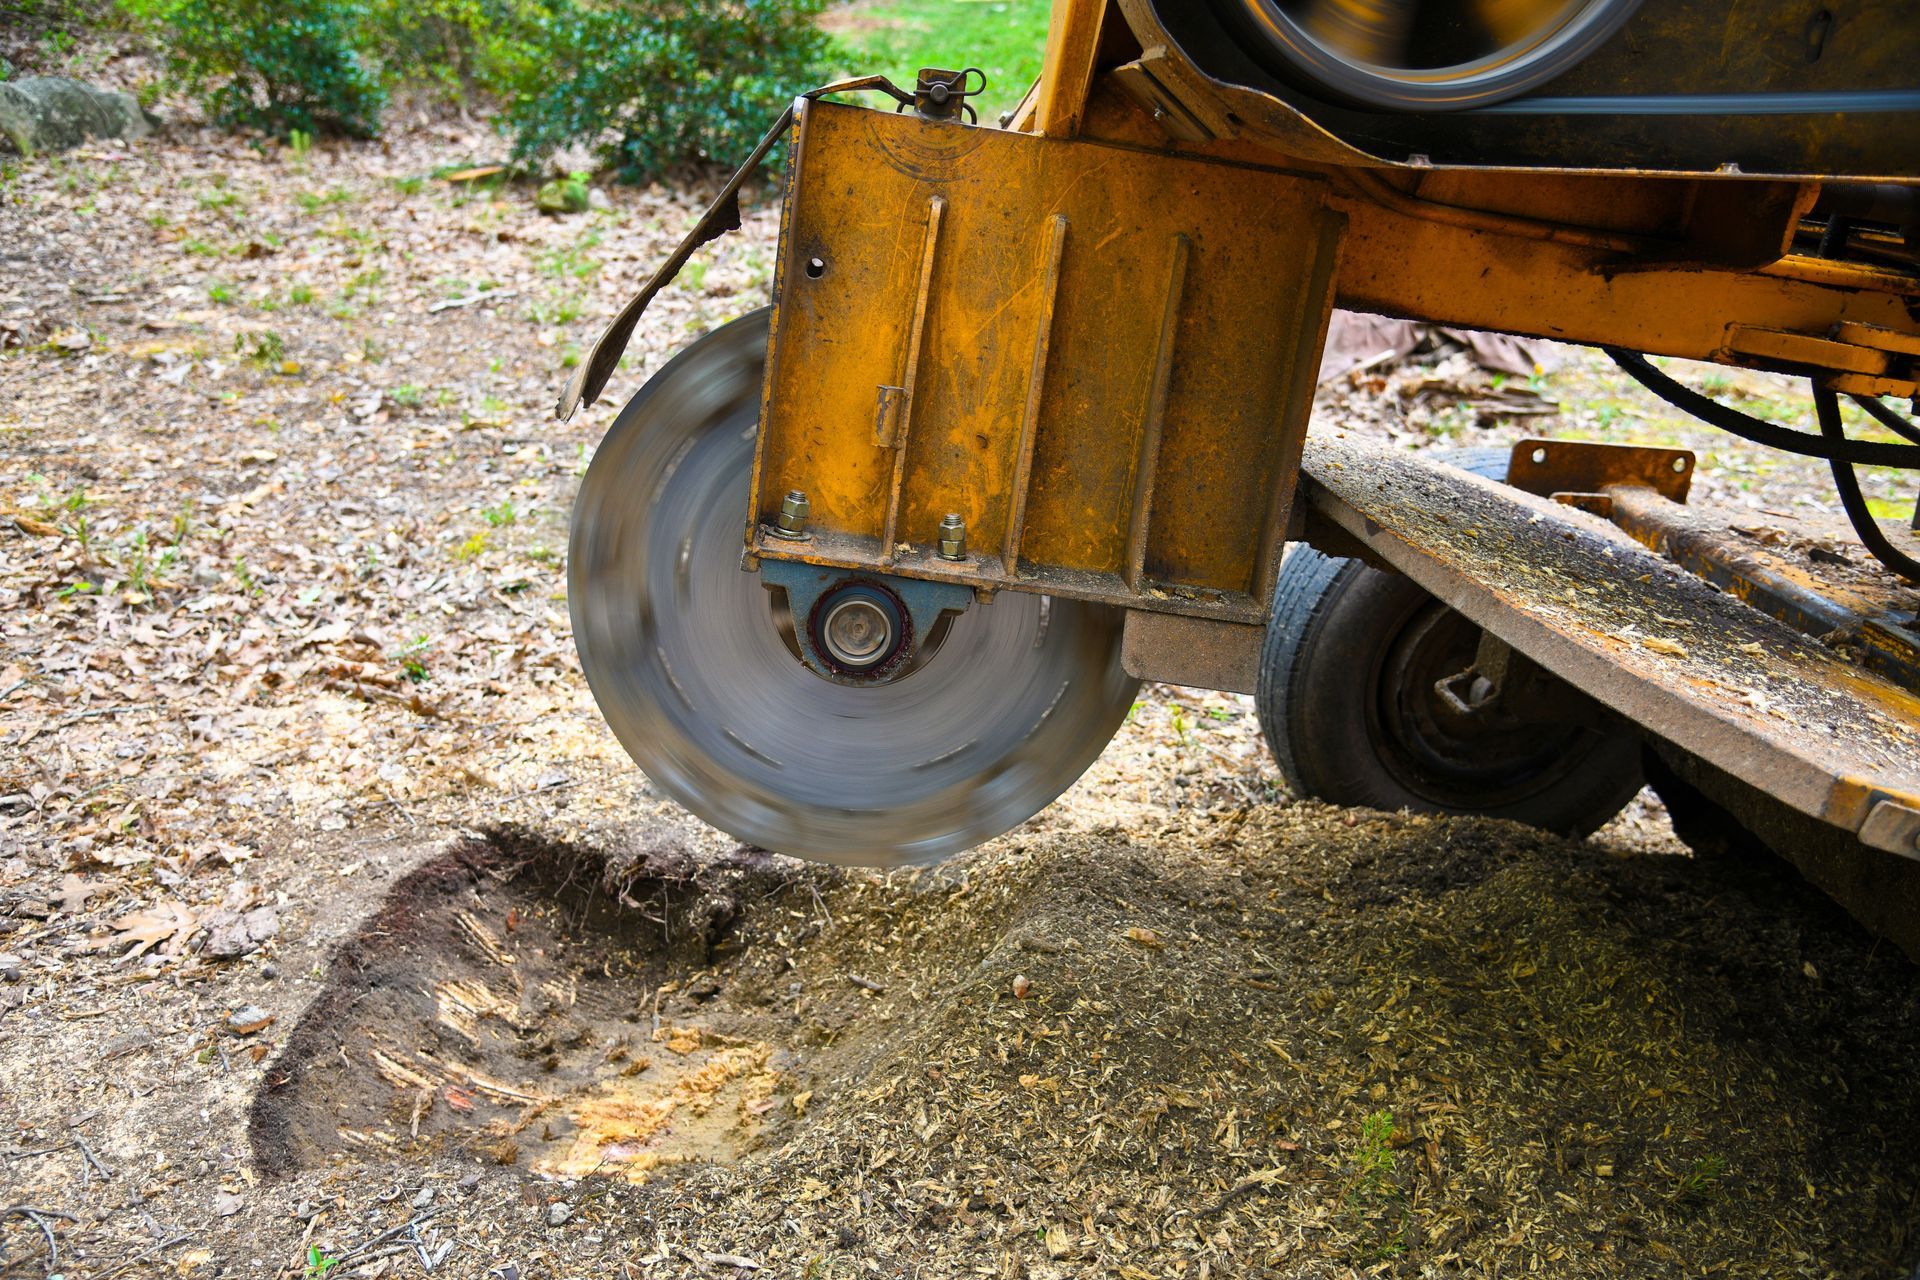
x=674 y=81
x=274 y=65
x=456 y=44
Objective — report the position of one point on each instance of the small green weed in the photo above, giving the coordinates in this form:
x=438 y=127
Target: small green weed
x=143 y=567
x=1371 y=1168
x=263 y=350
x=314 y=201
x=1701 y=1181
x=556 y=310
x=1371 y=1193
x=573 y=260
x=411 y=662
x=366 y=282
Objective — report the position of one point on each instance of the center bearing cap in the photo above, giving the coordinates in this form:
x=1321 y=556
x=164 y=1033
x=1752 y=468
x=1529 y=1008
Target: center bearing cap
x=860 y=628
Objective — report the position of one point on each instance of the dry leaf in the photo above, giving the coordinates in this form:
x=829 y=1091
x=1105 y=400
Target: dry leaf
x=1668 y=647
x=171 y=923
x=75 y=890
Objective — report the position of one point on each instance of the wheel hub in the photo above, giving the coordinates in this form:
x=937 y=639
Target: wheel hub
x=860 y=626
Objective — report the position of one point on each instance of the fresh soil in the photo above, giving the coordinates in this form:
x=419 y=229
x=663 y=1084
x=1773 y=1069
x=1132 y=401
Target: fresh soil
x=329 y=906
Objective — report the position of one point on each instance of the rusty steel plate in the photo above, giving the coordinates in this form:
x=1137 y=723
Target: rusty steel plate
x=1547 y=467
x=1693 y=665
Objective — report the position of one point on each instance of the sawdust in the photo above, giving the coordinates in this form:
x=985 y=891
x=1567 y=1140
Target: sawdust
x=1282 y=1040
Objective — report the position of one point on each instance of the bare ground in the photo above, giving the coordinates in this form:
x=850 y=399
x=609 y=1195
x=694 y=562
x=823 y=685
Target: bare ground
x=290 y=723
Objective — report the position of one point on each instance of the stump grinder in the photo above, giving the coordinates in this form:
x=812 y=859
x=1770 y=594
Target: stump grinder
x=871 y=575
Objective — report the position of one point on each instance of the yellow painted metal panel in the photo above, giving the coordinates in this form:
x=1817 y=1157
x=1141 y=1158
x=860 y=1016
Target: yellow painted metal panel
x=1137 y=326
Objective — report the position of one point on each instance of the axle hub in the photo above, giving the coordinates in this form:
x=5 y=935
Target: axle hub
x=860 y=627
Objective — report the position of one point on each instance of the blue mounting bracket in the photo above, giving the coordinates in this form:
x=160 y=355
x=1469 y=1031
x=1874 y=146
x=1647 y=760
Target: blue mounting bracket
x=921 y=604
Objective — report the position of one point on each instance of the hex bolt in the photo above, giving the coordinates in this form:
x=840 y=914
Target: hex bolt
x=794 y=509
x=953 y=537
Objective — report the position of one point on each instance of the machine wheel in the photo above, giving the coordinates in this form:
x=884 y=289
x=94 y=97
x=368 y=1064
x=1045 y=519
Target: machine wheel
x=686 y=656
x=1425 y=55
x=1347 y=700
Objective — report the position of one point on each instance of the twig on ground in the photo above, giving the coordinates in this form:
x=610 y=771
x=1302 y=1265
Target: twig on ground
x=391 y=1233
x=1253 y=1182
x=92 y=1159
x=179 y=1237
x=485 y=295
x=91 y=712
x=866 y=984
x=38 y=1217
x=403 y=810
x=538 y=791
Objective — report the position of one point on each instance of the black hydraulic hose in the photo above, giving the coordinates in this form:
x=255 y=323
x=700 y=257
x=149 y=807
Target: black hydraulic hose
x=1865 y=453
x=1892 y=420
x=1827 y=406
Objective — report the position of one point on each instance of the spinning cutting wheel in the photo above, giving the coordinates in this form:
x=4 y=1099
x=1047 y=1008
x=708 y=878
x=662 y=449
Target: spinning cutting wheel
x=1426 y=55
x=695 y=665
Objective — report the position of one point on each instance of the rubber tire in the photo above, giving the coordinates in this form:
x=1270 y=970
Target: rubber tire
x=1331 y=616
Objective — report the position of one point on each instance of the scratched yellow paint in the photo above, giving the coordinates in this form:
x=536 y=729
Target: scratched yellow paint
x=1237 y=334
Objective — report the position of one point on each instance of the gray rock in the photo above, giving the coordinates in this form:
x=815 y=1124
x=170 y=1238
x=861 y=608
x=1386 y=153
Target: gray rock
x=246 y=1021
x=558 y=1213
x=53 y=113
x=237 y=933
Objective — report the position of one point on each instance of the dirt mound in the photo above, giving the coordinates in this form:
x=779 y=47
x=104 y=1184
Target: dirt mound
x=1293 y=1043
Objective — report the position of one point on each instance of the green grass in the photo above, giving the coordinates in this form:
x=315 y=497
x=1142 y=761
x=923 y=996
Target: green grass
x=898 y=37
